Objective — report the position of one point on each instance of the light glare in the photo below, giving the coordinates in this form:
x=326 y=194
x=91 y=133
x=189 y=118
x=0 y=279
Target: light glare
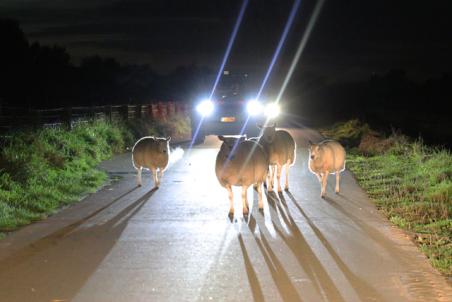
x=254 y=107
x=205 y=108
x=272 y=110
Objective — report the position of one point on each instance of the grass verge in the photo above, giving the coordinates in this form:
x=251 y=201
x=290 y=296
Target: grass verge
x=42 y=170
x=409 y=182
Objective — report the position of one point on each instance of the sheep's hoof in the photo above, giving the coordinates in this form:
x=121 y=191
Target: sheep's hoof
x=322 y=196
x=261 y=210
x=138 y=185
x=337 y=191
x=231 y=216
x=286 y=188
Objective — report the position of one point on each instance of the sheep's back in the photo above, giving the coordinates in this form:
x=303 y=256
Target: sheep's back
x=282 y=149
x=248 y=165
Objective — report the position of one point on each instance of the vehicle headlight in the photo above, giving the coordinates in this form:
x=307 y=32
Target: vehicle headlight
x=272 y=110
x=254 y=107
x=205 y=107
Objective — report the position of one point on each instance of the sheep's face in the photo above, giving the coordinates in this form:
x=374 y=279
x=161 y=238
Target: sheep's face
x=314 y=152
x=163 y=145
x=228 y=143
x=269 y=134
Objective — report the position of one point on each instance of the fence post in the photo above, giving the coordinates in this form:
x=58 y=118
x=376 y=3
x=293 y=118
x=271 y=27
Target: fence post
x=138 y=111
x=124 y=112
x=35 y=118
x=107 y=111
x=66 y=117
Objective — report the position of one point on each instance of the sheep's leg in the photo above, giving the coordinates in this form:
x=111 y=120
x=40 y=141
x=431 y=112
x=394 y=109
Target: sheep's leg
x=286 y=185
x=231 y=200
x=139 y=176
x=160 y=175
x=270 y=179
x=155 y=178
x=259 y=196
x=337 y=181
x=324 y=180
x=278 y=176
x=319 y=177
x=245 y=200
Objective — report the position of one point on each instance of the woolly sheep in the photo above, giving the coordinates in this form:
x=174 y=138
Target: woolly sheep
x=324 y=158
x=243 y=165
x=280 y=147
x=151 y=153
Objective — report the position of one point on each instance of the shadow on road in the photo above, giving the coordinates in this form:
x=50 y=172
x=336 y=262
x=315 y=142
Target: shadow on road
x=256 y=289
x=58 y=265
x=305 y=256
x=362 y=288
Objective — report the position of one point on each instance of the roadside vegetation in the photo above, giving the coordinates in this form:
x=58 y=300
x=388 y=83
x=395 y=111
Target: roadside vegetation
x=43 y=170
x=411 y=183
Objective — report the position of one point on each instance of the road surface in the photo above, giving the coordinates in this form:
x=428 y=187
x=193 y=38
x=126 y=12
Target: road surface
x=176 y=243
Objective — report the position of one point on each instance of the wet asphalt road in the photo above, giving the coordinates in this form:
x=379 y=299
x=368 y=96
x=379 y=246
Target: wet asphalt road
x=176 y=243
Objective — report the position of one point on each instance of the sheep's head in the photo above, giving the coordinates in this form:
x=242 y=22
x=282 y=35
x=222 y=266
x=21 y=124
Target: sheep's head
x=268 y=133
x=313 y=151
x=163 y=144
x=229 y=143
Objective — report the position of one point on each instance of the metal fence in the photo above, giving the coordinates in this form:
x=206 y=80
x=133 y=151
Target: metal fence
x=16 y=117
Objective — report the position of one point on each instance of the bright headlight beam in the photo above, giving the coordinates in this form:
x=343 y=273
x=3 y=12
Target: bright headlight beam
x=205 y=108
x=254 y=107
x=301 y=47
x=292 y=14
x=230 y=43
x=272 y=110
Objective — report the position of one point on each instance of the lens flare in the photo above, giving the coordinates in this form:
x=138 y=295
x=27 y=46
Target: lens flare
x=301 y=47
x=205 y=108
x=230 y=43
x=272 y=110
x=254 y=107
x=293 y=12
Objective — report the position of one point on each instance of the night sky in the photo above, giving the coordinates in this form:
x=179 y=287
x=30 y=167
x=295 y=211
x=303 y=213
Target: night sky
x=351 y=39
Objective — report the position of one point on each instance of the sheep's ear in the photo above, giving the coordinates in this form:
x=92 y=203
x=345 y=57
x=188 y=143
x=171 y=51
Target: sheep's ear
x=259 y=126
x=310 y=143
x=168 y=139
x=221 y=137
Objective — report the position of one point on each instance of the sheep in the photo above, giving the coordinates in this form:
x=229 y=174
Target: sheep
x=151 y=153
x=280 y=147
x=242 y=163
x=324 y=158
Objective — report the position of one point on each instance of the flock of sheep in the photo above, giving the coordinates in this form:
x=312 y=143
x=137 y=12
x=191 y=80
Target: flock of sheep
x=248 y=162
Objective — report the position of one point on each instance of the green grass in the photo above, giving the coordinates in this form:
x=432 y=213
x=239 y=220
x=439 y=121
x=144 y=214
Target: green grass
x=43 y=170
x=40 y=171
x=412 y=185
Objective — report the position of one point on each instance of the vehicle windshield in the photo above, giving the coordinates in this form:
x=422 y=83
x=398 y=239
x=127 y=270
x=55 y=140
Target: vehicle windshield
x=232 y=86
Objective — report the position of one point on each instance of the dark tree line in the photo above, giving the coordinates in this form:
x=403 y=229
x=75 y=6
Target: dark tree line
x=37 y=76
x=387 y=101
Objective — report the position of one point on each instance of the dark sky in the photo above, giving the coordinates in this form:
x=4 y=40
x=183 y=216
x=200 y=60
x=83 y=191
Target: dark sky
x=351 y=39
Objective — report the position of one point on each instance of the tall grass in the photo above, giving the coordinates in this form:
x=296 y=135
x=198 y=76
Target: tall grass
x=42 y=170
x=411 y=184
